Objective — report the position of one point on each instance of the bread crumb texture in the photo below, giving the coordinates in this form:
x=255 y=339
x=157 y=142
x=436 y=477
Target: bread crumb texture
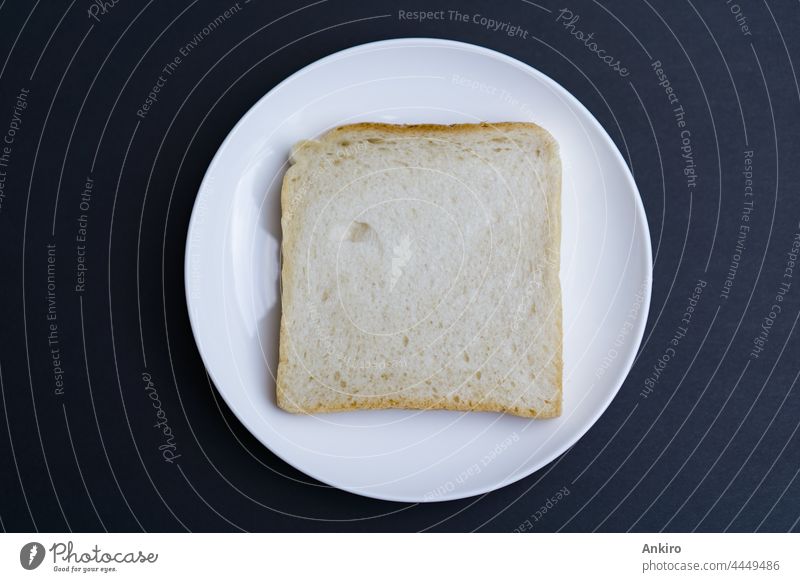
x=421 y=270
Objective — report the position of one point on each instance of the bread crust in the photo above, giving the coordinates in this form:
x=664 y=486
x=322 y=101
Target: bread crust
x=299 y=158
x=377 y=403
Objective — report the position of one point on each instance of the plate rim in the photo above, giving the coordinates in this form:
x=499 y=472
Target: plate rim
x=640 y=216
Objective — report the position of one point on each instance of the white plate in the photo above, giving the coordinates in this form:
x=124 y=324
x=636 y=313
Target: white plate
x=233 y=269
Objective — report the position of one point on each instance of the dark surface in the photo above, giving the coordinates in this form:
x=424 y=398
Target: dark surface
x=714 y=447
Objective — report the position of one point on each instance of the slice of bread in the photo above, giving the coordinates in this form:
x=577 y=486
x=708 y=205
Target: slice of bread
x=421 y=270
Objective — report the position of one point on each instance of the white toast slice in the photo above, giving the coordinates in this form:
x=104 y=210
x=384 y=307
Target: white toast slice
x=421 y=270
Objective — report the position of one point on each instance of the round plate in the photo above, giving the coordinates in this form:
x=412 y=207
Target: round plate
x=233 y=269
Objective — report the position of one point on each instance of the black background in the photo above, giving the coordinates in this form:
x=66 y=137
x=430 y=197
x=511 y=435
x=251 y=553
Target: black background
x=713 y=448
